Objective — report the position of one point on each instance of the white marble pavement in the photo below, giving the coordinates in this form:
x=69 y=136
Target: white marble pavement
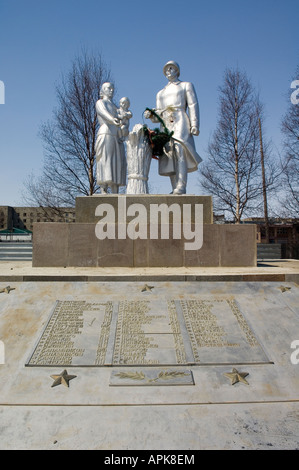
x=93 y=413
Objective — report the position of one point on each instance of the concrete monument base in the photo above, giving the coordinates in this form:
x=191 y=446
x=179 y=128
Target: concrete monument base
x=60 y=244
x=205 y=244
x=86 y=206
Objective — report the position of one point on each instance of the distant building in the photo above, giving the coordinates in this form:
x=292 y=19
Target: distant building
x=219 y=219
x=281 y=231
x=24 y=217
x=15 y=235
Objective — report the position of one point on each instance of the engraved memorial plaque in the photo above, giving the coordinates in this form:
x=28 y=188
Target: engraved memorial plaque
x=149 y=332
x=219 y=332
x=76 y=334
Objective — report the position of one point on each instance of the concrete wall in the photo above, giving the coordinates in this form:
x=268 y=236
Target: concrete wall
x=60 y=244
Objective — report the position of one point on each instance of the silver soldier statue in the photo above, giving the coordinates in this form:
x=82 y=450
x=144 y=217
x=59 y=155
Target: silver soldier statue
x=172 y=103
x=110 y=150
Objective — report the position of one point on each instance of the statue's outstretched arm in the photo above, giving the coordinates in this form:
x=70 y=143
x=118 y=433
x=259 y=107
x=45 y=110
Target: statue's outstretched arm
x=149 y=115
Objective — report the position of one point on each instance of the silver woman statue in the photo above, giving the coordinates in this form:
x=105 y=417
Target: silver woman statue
x=172 y=104
x=110 y=151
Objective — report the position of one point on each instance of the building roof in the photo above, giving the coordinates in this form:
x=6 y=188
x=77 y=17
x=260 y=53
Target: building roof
x=16 y=231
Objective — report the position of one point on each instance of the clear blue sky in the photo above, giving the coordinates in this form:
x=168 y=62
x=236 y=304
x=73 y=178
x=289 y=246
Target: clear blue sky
x=39 y=39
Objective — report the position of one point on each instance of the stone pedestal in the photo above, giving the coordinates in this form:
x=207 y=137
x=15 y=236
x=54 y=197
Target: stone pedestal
x=86 y=206
x=78 y=244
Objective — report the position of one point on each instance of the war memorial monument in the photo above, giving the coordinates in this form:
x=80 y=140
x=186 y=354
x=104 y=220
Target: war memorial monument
x=138 y=229
x=144 y=325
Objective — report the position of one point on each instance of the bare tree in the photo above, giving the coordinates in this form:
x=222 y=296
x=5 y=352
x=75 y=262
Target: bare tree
x=232 y=173
x=270 y=168
x=69 y=138
x=290 y=129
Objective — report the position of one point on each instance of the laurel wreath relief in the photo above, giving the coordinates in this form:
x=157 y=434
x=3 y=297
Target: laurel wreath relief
x=163 y=375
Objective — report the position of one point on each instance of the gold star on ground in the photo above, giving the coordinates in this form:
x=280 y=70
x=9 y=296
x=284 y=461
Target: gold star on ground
x=147 y=288
x=7 y=289
x=284 y=288
x=62 y=378
x=236 y=376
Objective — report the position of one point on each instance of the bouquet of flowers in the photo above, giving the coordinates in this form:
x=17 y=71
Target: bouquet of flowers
x=157 y=138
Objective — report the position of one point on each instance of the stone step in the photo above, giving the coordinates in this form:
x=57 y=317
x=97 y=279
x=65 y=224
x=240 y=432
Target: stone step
x=269 y=251
x=15 y=248
x=14 y=254
x=15 y=251
x=15 y=244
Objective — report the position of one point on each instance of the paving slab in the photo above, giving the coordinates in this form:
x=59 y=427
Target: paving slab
x=222 y=359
